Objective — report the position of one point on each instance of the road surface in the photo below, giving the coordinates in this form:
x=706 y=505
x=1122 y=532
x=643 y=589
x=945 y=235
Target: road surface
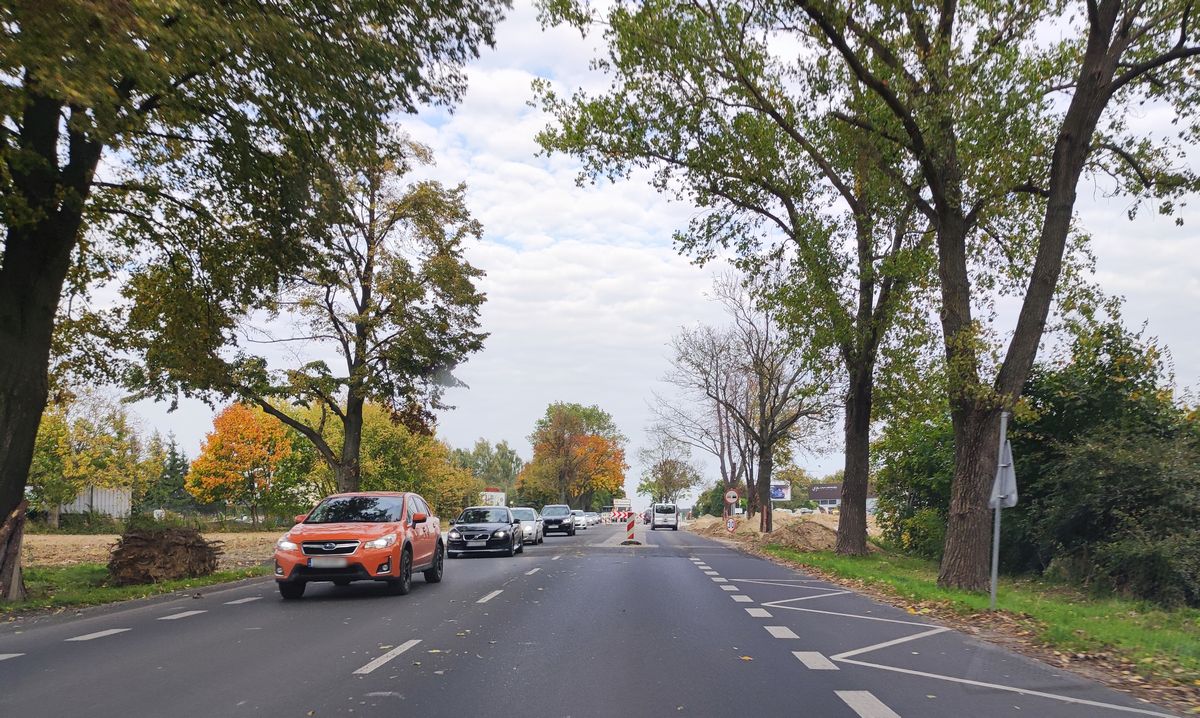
x=578 y=626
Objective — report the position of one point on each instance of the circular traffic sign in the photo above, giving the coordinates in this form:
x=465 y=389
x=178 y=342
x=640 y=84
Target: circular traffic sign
x=731 y=497
x=730 y=524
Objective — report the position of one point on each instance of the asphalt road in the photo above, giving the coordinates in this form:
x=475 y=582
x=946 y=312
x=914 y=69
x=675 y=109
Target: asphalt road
x=578 y=627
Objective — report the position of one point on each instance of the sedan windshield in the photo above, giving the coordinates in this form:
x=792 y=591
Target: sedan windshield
x=525 y=514
x=356 y=509
x=484 y=516
x=556 y=511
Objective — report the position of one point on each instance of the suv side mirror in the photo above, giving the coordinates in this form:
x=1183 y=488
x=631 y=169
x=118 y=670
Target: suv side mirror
x=516 y=521
x=419 y=518
x=453 y=521
x=300 y=518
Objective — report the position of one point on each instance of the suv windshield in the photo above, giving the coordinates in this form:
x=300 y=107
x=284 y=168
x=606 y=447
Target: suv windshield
x=664 y=509
x=356 y=509
x=556 y=511
x=484 y=516
x=525 y=514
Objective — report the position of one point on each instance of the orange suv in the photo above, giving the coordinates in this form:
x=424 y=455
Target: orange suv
x=366 y=536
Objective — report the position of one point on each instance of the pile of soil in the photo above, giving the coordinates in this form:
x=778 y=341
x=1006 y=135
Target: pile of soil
x=811 y=532
x=152 y=556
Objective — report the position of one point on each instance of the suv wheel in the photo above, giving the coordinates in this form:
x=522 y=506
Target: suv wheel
x=434 y=574
x=512 y=547
x=521 y=548
x=401 y=586
x=291 y=590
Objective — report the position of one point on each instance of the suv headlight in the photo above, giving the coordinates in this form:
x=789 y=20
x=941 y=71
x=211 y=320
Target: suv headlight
x=454 y=535
x=500 y=534
x=382 y=542
x=283 y=544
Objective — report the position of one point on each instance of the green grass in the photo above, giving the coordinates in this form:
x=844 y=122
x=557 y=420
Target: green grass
x=1163 y=643
x=86 y=584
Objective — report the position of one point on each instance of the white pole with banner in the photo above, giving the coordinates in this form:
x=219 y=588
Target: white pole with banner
x=1004 y=495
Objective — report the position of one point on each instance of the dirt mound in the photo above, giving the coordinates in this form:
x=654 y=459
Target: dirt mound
x=804 y=536
x=151 y=556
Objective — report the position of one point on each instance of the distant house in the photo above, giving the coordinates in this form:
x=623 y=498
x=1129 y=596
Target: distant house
x=110 y=502
x=829 y=496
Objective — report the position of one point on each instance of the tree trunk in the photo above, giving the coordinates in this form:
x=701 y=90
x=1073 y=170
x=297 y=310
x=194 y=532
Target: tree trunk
x=965 y=561
x=852 y=520
x=52 y=516
x=349 y=471
x=12 y=531
x=766 y=465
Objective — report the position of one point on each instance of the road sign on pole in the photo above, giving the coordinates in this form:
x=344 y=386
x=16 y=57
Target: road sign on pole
x=731 y=497
x=730 y=524
x=1004 y=495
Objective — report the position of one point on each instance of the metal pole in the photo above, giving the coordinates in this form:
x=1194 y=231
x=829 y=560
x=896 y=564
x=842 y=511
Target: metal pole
x=996 y=524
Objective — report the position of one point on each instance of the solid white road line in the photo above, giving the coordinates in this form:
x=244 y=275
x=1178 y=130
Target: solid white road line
x=717 y=579
x=866 y=705
x=6 y=656
x=711 y=573
x=532 y=571
x=779 y=604
x=98 y=634
x=1011 y=689
x=775 y=604
x=243 y=600
x=177 y=616
x=727 y=587
x=742 y=599
x=780 y=632
x=759 y=612
x=386 y=657
x=888 y=644
x=814 y=661
x=490 y=596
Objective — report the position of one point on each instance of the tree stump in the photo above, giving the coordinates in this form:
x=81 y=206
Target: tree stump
x=156 y=555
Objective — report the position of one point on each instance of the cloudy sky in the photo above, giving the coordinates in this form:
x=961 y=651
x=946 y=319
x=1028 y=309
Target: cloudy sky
x=584 y=288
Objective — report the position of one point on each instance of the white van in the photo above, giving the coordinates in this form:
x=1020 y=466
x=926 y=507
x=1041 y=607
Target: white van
x=664 y=516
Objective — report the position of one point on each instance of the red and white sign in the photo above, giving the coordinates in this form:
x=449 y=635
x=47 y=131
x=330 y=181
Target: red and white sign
x=731 y=497
x=730 y=524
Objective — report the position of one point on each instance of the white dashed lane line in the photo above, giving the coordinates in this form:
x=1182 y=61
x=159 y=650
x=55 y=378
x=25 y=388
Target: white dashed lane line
x=6 y=656
x=781 y=632
x=729 y=588
x=182 y=614
x=717 y=579
x=490 y=596
x=243 y=600
x=532 y=571
x=556 y=558
x=386 y=657
x=98 y=634
x=742 y=599
x=866 y=705
x=759 y=612
x=711 y=573
x=814 y=661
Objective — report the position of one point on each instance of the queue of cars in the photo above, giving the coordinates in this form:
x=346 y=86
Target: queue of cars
x=387 y=536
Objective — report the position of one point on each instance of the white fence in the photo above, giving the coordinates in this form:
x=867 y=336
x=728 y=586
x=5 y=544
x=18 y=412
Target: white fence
x=110 y=502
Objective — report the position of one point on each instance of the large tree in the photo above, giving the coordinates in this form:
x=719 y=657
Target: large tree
x=390 y=294
x=578 y=452
x=495 y=465
x=668 y=468
x=995 y=110
x=772 y=387
x=210 y=116
x=700 y=95
x=240 y=459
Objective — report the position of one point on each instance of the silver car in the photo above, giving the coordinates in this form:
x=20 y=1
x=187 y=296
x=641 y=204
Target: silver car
x=581 y=521
x=532 y=528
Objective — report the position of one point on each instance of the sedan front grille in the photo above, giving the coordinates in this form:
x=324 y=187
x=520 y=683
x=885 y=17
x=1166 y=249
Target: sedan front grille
x=329 y=548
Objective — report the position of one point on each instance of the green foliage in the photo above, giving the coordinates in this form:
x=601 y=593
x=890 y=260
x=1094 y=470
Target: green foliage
x=497 y=465
x=1107 y=470
x=711 y=502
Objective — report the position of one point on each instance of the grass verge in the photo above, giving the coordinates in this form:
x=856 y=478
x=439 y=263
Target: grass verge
x=86 y=584
x=1162 y=644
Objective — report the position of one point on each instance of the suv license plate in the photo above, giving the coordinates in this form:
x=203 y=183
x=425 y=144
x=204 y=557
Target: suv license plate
x=327 y=562
x=476 y=544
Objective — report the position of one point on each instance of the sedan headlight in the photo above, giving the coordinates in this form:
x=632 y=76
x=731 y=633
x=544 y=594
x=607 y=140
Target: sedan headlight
x=283 y=544
x=382 y=542
x=500 y=534
x=454 y=535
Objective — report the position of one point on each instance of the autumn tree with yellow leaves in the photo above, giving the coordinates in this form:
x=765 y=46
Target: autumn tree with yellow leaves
x=578 y=455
